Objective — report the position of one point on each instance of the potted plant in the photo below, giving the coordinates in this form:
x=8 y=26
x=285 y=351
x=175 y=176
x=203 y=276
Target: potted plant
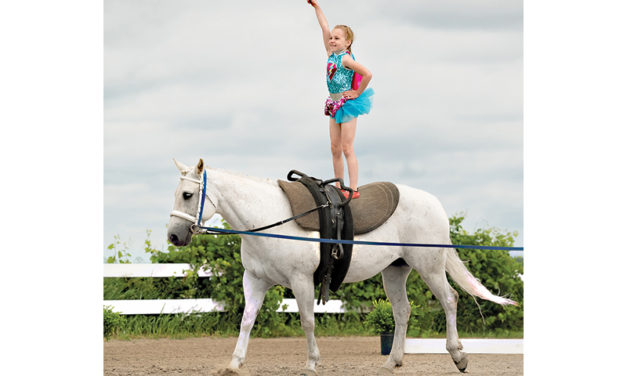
x=381 y=319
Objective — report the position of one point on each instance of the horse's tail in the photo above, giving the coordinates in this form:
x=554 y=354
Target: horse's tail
x=457 y=270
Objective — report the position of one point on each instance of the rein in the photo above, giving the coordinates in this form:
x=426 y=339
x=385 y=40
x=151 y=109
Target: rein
x=196 y=227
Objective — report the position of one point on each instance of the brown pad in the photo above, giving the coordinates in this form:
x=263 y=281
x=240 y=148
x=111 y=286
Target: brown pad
x=376 y=203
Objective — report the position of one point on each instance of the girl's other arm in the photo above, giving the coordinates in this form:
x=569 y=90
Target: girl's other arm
x=324 y=25
x=349 y=63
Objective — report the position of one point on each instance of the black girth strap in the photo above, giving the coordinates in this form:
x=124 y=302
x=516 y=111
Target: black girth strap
x=336 y=222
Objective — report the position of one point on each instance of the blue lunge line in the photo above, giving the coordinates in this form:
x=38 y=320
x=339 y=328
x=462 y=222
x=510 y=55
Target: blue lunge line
x=320 y=240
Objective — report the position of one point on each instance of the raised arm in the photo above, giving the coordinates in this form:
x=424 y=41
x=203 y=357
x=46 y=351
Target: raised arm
x=324 y=25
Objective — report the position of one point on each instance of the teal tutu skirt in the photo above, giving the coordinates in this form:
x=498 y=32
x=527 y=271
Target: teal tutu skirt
x=355 y=107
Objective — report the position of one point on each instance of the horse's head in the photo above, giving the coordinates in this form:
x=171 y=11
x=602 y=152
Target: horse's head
x=190 y=205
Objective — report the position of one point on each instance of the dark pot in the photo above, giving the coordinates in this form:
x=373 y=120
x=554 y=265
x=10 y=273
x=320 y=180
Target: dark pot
x=387 y=339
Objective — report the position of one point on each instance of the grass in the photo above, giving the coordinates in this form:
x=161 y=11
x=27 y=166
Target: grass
x=180 y=326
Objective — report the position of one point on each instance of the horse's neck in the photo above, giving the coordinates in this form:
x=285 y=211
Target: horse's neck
x=244 y=202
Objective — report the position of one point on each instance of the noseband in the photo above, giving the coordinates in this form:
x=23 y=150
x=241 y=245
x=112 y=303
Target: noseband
x=202 y=190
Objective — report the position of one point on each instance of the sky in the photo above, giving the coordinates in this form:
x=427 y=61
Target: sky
x=62 y=166
x=242 y=85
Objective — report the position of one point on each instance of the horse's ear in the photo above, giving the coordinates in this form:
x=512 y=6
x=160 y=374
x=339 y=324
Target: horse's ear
x=182 y=168
x=200 y=167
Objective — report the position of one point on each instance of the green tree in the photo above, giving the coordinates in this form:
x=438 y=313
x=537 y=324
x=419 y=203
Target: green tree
x=497 y=271
x=221 y=255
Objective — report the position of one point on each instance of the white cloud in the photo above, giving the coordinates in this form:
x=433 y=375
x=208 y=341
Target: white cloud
x=242 y=86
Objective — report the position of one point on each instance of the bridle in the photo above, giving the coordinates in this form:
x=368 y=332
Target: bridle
x=202 y=191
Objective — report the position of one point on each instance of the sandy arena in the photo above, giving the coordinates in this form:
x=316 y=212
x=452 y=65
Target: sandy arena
x=340 y=356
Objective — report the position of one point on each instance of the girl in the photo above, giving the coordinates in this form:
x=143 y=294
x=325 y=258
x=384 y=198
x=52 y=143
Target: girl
x=348 y=97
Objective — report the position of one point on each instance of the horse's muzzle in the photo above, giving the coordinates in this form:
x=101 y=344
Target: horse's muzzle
x=174 y=239
x=180 y=238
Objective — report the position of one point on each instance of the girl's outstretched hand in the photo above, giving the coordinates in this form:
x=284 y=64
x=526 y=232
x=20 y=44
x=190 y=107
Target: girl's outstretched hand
x=313 y=3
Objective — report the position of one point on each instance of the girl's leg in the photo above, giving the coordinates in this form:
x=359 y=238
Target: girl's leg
x=348 y=130
x=335 y=131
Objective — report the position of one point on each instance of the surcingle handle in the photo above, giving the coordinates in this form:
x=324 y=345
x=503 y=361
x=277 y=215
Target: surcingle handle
x=290 y=175
x=343 y=187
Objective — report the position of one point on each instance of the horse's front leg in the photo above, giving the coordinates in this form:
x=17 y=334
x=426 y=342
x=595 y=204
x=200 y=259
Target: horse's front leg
x=254 y=293
x=394 y=283
x=303 y=290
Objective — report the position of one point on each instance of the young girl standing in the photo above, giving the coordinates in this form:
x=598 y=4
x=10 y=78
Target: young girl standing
x=348 y=96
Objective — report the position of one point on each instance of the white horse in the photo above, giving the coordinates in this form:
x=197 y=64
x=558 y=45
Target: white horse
x=246 y=202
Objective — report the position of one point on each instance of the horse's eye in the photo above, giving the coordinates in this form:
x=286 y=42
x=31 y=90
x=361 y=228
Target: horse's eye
x=187 y=195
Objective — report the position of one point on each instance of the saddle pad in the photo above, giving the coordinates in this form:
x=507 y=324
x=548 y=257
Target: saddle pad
x=376 y=203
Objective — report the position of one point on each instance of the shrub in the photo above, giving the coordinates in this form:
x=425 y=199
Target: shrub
x=381 y=318
x=221 y=254
x=497 y=271
x=112 y=322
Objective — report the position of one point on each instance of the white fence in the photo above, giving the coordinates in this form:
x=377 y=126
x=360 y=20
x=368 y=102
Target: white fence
x=168 y=306
x=158 y=306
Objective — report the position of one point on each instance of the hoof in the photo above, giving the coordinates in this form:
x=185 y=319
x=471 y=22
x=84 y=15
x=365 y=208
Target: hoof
x=307 y=372
x=227 y=372
x=232 y=372
x=462 y=364
x=384 y=371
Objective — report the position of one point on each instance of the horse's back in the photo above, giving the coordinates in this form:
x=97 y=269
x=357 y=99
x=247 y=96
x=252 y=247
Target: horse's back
x=421 y=213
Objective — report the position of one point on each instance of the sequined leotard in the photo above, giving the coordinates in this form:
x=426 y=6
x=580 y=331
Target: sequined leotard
x=339 y=80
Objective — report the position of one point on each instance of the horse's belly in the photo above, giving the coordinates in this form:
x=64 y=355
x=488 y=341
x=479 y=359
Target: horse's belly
x=278 y=262
x=368 y=261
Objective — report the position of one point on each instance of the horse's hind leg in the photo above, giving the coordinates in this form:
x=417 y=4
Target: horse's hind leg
x=254 y=293
x=394 y=283
x=437 y=282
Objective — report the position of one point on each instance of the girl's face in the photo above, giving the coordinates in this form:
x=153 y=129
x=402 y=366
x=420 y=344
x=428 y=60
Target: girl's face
x=338 y=42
